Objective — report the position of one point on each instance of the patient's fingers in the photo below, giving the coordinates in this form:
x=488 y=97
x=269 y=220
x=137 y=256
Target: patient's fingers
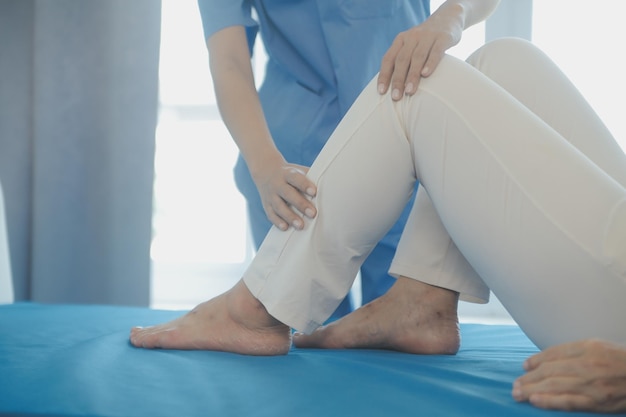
x=567 y=350
x=565 y=401
x=587 y=375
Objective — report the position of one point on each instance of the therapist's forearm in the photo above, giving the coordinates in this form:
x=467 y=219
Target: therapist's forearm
x=238 y=99
x=470 y=12
x=283 y=187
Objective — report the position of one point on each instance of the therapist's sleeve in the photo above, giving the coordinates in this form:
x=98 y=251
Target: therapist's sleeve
x=219 y=14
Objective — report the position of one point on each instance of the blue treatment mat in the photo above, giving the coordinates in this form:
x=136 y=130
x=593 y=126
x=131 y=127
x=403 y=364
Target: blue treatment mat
x=71 y=360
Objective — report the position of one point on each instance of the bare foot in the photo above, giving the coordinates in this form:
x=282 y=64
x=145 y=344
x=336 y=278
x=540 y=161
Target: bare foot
x=232 y=322
x=411 y=317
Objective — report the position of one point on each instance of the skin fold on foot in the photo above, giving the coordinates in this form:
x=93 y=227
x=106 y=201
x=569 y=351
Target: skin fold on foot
x=232 y=322
x=411 y=317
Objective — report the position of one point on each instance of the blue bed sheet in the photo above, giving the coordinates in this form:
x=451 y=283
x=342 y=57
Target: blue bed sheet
x=75 y=360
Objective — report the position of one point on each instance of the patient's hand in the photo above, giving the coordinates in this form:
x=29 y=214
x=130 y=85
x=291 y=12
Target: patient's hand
x=588 y=375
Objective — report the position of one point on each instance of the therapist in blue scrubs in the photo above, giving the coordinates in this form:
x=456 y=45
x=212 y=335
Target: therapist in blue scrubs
x=321 y=54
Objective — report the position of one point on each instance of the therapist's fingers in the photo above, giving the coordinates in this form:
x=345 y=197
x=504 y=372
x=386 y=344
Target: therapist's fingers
x=296 y=176
x=282 y=214
x=406 y=57
x=421 y=67
x=413 y=54
x=388 y=65
x=300 y=189
x=423 y=56
x=297 y=194
x=285 y=194
x=409 y=63
x=416 y=53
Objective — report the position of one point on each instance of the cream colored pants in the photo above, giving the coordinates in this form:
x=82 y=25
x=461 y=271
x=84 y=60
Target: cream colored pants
x=523 y=191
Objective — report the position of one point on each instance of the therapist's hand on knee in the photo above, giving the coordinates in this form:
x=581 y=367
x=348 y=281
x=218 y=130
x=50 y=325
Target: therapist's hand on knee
x=286 y=194
x=416 y=53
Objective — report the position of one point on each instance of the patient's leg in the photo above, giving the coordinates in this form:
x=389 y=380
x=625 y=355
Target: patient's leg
x=478 y=175
x=543 y=224
x=233 y=322
x=411 y=317
x=365 y=177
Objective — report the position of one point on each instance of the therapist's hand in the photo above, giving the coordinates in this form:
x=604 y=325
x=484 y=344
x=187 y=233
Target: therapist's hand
x=589 y=375
x=285 y=193
x=416 y=53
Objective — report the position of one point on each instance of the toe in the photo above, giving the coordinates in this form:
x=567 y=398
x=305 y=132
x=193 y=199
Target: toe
x=145 y=337
x=302 y=340
x=135 y=337
x=136 y=330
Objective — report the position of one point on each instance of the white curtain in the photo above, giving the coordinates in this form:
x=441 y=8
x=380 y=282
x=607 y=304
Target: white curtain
x=78 y=110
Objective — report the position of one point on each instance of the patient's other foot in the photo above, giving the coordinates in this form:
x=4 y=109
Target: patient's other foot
x=232 y=322
x=411 y=317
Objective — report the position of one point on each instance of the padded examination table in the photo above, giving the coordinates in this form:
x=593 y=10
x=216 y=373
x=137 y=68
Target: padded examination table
x=74 y=360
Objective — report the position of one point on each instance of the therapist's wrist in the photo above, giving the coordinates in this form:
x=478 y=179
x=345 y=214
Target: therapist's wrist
x=264 y=161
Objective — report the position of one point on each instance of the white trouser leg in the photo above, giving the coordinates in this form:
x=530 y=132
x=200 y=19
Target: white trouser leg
x=534 y=80
x=427 y=253
x=365 y=177
x=529 y=76
x=541 y=223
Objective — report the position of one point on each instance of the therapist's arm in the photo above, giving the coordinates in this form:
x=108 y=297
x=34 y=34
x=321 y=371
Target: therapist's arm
x=416 y=52
x=282 y=186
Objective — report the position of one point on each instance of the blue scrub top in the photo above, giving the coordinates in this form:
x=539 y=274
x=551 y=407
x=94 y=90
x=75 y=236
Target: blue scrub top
x=321 y=53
